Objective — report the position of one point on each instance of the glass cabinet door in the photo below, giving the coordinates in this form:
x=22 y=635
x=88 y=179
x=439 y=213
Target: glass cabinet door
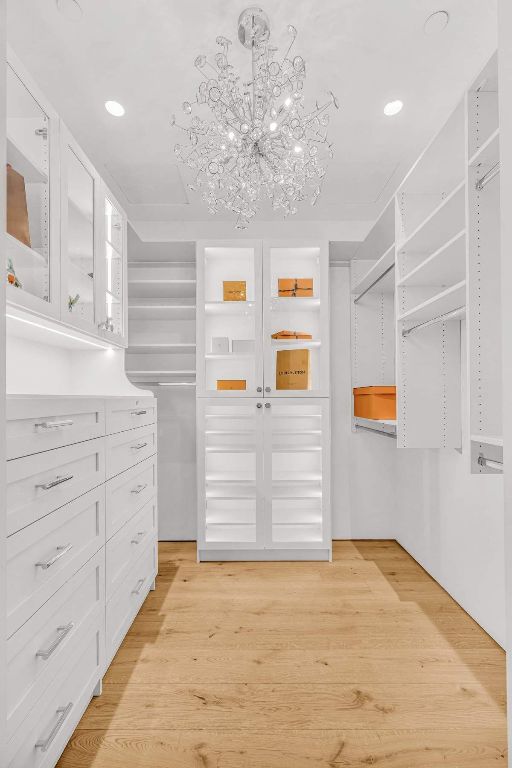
x=296 y=320
x=112 y=302
x=78 y=278
x=229 y=358
x=31 y=271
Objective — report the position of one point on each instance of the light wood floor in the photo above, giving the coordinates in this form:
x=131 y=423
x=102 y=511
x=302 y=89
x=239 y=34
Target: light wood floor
x=362 y=662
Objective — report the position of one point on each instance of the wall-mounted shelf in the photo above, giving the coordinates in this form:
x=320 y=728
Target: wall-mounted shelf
x=162 y=288
x=445 y=267
x=156 y=348
x=440 y=225
x=388 y=426
x=442 y=303
x=375 y=274
x=496 y=440
x=489 y=152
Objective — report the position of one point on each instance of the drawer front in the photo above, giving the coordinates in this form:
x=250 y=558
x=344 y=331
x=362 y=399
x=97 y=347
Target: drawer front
x=41 y=738
x=42 y=557
x=40 y=424
x=127 y=493
x=36 y=485
x=124 y=548
x=126 y=449
x=129 y=412
x=124 y=604
x=37 y=651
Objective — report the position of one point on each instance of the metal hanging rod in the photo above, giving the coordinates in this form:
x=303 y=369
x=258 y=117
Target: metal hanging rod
x=376 y=431
x=452 y=315
x=483 y=461
x=358 y=298
x=489 y=176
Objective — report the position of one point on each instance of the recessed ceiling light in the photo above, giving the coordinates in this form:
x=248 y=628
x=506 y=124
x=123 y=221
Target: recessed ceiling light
x=70 y=9
x=436 y=22
x=393 y=108
x=114 y=108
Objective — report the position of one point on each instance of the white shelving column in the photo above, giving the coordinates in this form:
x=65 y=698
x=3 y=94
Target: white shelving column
x=372 y=275
x=431 y=291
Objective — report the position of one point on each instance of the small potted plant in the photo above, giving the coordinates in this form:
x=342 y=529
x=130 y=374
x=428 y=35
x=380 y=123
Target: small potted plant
x=72 y=300
x=12 y=279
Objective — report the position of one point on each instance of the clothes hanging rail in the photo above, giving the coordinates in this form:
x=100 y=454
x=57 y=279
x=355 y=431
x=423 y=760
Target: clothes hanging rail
x=489 y=176
x=483 y=461
x=358 y=298
x=452 y=315
x=376 y=431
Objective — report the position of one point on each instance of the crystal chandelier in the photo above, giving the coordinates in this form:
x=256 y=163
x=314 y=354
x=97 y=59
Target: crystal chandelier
x=262 y=139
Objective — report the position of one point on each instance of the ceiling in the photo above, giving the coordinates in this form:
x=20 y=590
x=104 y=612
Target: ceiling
x=141 y=54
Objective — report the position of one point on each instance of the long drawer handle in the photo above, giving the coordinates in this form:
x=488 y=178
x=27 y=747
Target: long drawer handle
x=54 y=424
x=61 y=551
x=138 y=446
x=58 y=481
x=139 y=413
x=139 y=488
x=138 y=587
x=62 y=633
x=140 y=536
x=62 y=712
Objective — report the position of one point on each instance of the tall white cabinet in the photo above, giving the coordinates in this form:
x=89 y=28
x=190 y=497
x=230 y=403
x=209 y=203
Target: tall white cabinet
x=262 y=451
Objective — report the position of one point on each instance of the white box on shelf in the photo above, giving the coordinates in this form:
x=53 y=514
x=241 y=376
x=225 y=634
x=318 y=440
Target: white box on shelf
x=220 y=345
x=243 y=346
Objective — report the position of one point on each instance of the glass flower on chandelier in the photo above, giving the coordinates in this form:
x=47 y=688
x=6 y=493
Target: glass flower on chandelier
x=262 y=140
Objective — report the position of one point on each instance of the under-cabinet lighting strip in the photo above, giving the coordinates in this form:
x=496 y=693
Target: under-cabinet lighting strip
x=358 y=298
x=60 y=333
x=483 y=461
x=489 y=176
x=452 y=315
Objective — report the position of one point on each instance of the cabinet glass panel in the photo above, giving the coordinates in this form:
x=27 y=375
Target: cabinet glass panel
x=79 y=292
x=294 y=321
x=113 y=269
x=28 y=192
x=233 y=469
x=296 y=515
x=232 y=314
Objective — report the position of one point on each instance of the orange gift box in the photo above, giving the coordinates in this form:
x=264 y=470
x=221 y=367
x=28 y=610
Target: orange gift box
x=295 y=287
x=375 y=402
x=291 y=335
x=293 y=370
x=227 y=384
x=234 y=290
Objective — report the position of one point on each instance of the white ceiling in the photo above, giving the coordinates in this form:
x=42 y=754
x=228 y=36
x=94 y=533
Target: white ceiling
x=141 y=54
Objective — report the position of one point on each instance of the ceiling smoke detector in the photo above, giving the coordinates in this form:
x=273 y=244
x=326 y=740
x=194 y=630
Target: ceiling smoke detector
x=70 y=9
x=436 y=23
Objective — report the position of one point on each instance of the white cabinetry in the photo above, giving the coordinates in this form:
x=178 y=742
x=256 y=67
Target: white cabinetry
x=81 y=556
x=263 y=450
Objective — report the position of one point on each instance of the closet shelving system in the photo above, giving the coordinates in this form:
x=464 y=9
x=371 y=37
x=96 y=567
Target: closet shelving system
x=161 y=312
x=440 y=260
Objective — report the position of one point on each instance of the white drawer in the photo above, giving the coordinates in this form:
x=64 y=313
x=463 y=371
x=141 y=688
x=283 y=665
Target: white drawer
x=127 y=493
x=42 y=557
x=126 y=449
x=40 y=424
x=41 y=738
x=124 y=604
x=36 y=485
x=129 y=412
x=124 y=548
x=37 y=651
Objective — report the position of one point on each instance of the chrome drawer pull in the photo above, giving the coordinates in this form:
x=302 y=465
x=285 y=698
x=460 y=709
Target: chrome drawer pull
x=58 y=481
x=63 y=713
x=139 y=413
x=138 y=446
x=54 y=424
x=140 y=536
x=63 y=632
x=61 y=550
x=139 y=488
x=138 y=588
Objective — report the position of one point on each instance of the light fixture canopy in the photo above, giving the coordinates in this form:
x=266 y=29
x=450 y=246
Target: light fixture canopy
x=262 y=139
x=393 y=108
x=115 y=108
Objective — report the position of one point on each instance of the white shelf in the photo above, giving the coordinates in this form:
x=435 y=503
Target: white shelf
x=28 y=256
x=301 y=478
x=161 y=310
x=31 y=171
x=446 y=301
x=377 y=425
x=155 y=349
x=227 y=449
x=213 y=356
x=440 y=225
x=228 y=307
x=291 y=303
x=445 y=266
x=299 y=495
x=297 y=432
x=489 y=152
x=375 y=272
x=306 y=343
x=296 y=449
x=164 y=289
x=176 y=383
x=161 y=373
x=496 y=440
x=229 y=431
x=219 y=496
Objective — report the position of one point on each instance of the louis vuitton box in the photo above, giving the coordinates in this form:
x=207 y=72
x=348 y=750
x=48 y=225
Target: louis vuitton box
x=234 y=290
x=293 y=369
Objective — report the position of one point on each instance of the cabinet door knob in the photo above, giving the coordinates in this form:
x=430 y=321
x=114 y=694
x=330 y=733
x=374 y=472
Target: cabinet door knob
x=259 y=405
x=259 y=389
x=267 y=405
x=267 y=389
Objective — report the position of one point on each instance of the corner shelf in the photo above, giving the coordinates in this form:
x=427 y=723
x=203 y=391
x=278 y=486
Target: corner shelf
x=445 y=301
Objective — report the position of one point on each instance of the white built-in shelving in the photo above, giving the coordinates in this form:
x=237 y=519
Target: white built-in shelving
x=441 y=303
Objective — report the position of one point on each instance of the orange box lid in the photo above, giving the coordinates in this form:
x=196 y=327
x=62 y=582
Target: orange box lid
x=375 y=390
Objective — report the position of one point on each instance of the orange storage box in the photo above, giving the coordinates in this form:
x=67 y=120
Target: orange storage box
x=375 y=402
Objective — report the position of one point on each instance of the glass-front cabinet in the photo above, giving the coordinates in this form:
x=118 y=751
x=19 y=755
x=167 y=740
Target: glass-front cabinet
x=32 y=239
x=111 y=310
x=78 y=236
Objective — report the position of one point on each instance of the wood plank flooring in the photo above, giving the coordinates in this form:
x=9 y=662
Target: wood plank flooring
x=362 y=662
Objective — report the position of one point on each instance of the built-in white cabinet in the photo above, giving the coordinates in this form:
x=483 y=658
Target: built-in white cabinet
x=66 y=233
x=257 y=302
x=263 y=469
